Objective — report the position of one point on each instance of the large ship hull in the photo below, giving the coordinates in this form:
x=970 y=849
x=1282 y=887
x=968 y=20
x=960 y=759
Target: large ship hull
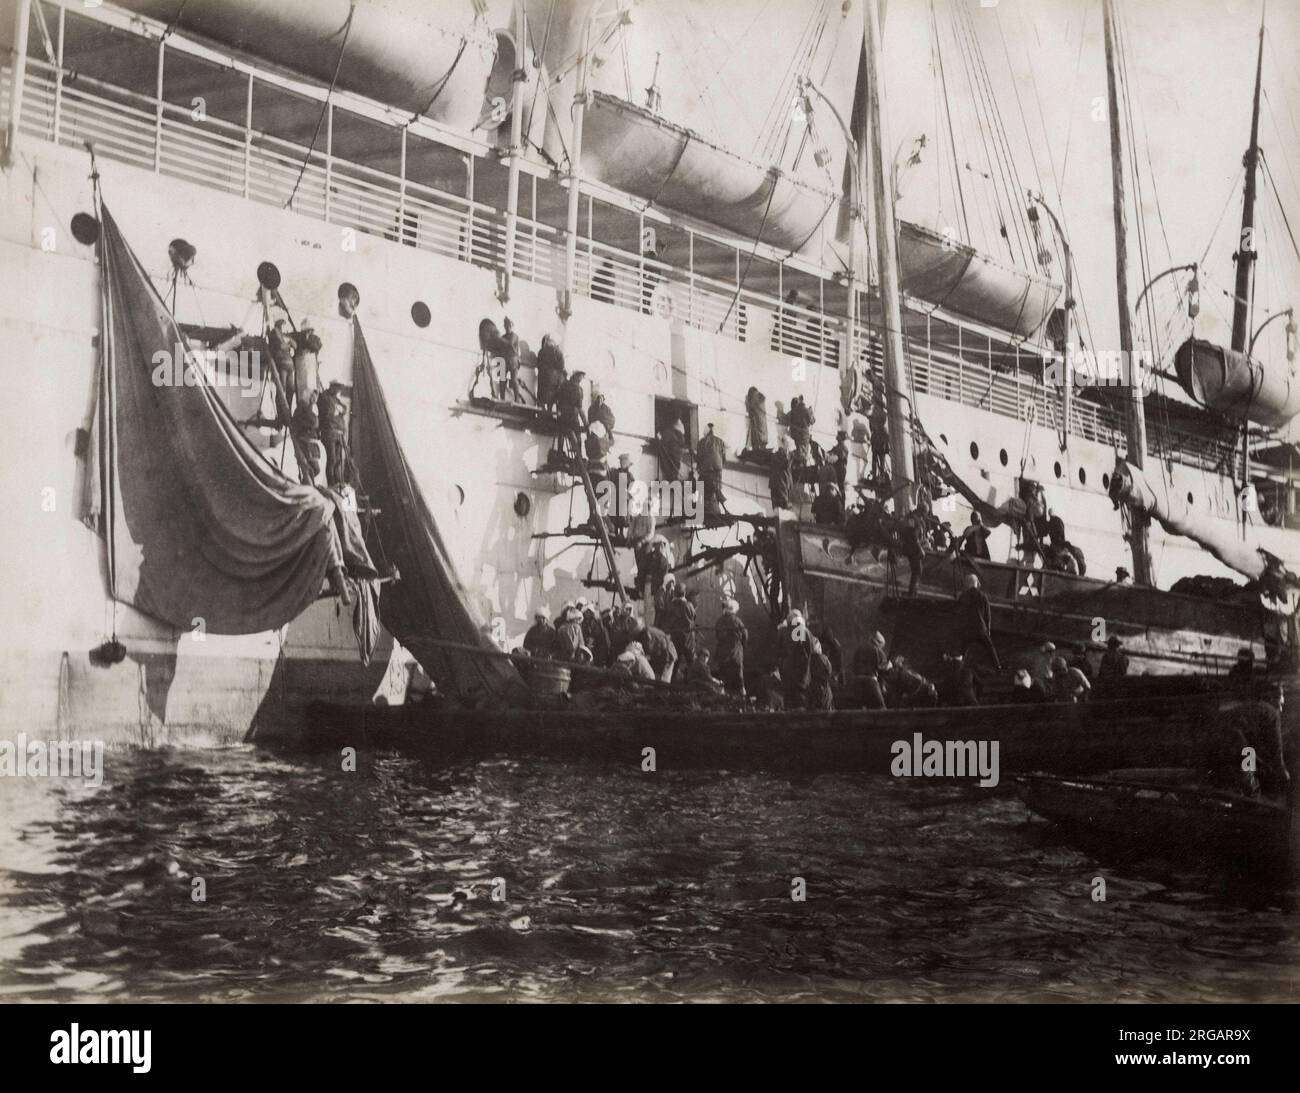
x=508 y=528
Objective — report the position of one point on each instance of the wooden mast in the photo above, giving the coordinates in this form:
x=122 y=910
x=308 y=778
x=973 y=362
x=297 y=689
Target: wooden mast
x=1136 y=429
x=891 y=308
x=1246 y=253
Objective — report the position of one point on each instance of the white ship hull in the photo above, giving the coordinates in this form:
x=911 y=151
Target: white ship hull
x=472 y=467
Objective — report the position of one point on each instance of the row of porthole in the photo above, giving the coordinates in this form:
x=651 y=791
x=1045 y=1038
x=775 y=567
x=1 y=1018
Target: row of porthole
x=1004 y=459
x=1056 y=469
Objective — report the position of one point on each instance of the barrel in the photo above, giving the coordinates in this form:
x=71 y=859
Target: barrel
x=549 y=678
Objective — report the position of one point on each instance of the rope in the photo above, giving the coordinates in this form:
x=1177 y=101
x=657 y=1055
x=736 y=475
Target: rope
x=338 y=64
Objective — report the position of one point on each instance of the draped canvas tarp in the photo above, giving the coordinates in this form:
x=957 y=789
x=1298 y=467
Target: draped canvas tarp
x=428 y=602
x=198 y=524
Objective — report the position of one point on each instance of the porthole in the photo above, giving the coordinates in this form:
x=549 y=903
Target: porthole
x=420 y=314
x=85 y=229
x=1189 y=497
x=1002 y=457
x=349 y=299
x=456 y=495
x=943 y=437
x=974 y=450
x=268 y=276
x=1105 y=481
x=523 y=504
x=1083 y=477
x=1056 y=468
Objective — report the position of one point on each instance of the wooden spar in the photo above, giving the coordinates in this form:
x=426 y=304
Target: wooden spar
x=1246 y=242
x=598 y=518
x=1136 y=419
x=891 y=309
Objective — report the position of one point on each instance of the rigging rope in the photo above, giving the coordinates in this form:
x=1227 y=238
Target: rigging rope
x=324 y=108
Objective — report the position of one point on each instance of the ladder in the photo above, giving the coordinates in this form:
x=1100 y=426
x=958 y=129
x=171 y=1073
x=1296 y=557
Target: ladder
x=602 y=531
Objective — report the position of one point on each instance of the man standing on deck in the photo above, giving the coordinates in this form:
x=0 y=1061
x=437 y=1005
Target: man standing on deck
x=550 y=372
x=975 y=620
x=678 y=622
x=869 y=663
x=710 y=454
x=780 y=479
x=672 y=452
x=729 y=652
x=879 y=420
x=569 y=402
x=796 y=646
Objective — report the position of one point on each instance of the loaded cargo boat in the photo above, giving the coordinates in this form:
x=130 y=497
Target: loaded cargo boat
x=679 y=246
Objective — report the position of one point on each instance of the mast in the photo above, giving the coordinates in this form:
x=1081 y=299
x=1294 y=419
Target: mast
x=891 y=309
x=1136 y=429
x=1246 y=253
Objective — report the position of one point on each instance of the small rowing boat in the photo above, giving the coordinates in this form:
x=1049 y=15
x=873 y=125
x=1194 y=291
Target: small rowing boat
x=1168 y=818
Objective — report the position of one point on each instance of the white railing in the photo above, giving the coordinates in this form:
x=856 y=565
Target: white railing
x=135 y=129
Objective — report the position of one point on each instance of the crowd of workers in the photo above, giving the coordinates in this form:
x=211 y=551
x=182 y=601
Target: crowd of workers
x=810 y=669
x=670 y=650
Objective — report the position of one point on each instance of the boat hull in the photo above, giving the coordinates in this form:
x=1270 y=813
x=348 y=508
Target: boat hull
x=1075 y=738
x=1182 y=823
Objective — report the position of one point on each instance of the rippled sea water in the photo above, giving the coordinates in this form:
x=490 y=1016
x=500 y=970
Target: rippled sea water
x=618 y=884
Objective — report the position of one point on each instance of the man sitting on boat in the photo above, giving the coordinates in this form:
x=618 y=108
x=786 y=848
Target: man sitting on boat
x=960 y=685
x=1025 y=689
x=632 y=662
x=907 y=688
x=659 y=651
x=698 y=675
x=1114 y=664
x=1069 y=684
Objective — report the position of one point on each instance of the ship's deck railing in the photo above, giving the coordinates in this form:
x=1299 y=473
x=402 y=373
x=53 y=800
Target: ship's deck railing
x=153 y=134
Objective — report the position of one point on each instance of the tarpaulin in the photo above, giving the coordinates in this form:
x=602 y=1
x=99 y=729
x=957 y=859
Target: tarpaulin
x=199 y=525
x=428 y=604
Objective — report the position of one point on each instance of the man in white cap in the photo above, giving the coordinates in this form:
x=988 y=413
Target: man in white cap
x=730 y=636
x=796 y=646
x=540 y=641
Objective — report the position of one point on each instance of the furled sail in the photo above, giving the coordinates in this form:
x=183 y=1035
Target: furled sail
x=1230 y=382
x=202 y=530
x=428 y=604
x=1130 y=486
